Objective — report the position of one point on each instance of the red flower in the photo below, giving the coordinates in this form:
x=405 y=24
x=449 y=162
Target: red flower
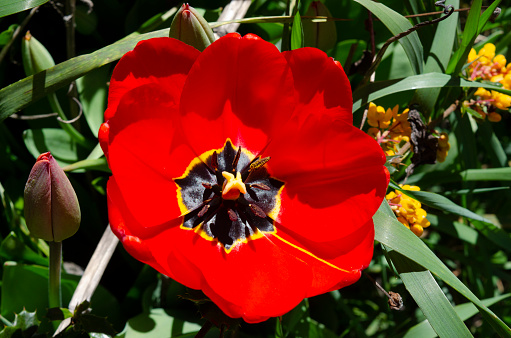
x=191 y=194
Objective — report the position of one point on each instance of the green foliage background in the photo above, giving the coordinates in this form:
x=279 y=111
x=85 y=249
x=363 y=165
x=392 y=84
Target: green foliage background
x=447 y=279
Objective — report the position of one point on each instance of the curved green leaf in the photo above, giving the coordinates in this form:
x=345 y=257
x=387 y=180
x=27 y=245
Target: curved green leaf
x=24 y=92
x=391 y=233
x=439 y=202
x=8 y=7
x=397 y=24
x=429 y=297
x=376 y=90
x=465 y=311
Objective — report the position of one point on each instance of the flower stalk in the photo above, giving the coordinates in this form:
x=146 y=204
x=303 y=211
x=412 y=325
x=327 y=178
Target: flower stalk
x=54 y=291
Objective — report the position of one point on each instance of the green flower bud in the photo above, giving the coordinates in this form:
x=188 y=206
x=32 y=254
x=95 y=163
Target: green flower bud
x=36 y=57
x=322 y=35
x=191 y=28
x=52 y=211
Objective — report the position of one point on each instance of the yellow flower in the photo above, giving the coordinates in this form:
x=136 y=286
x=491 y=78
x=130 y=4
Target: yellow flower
x=378 y=117
x=408 y=210
x=487 y=53
x=483 y=93
x=502 y=101
x=499 y=61
x=472 y=55
x=443 y=147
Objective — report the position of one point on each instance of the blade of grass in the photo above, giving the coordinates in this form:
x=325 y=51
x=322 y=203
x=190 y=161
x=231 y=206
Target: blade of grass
x=376 y=90
x=429 y=297
x=8 y=7
x=396 y=24
x=391 y=233
x=465 y=311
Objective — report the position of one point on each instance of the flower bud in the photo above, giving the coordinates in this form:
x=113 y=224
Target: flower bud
x=322 y=35
x=191 y=28
x=52 y=211
x=36 y=57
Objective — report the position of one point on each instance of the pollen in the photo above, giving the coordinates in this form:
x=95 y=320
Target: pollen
x=233 y=186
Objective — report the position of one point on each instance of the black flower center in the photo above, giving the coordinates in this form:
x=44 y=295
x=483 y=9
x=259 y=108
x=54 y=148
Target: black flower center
x=228 y=196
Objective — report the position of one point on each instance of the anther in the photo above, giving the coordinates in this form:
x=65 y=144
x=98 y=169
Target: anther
x=259 y=186
x=203 y=211
x=236 y=159
x=232 y=215
x=214 y=161
x=257 y=210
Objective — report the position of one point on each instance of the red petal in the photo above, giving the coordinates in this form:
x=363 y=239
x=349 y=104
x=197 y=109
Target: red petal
x=333 y=173
x=164 y=61
x=256 y=280
x=152 y=251
x=239 y=88
x=335 y=264
x=321 y=84
x=146 y=152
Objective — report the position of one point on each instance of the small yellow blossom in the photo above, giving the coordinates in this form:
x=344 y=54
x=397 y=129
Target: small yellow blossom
x=443 y=147
x=378 y=117
x=408 y=210
x=502 y=101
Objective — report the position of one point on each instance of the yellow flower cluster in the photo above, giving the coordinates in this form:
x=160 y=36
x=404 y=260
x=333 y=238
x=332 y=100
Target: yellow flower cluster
x=408 y=210
x=392 y=130
x=443 y=147
x=388 y=127
x=485 y=65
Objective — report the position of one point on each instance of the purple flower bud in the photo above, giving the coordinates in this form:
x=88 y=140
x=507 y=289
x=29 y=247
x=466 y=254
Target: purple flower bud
x=191 y=28
x=52 y=211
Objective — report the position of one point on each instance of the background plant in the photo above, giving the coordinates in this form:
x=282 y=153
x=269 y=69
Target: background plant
x=446 y=278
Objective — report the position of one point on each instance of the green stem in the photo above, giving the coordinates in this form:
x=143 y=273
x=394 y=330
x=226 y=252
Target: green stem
x=54 y=294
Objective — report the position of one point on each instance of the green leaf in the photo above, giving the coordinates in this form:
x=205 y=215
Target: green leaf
x=376 y=90
x=93 y=91
x=394 y=235
x=492 y=145
x=26 y=323
x=57 y=141
x=397 y=24
x=157 y=323
x=438 y=57
x=429 y=297
x=12 y=249
x=467 y=39
x=8 y=7
x=27 y=91
x=23 y=285
x=439 y=202
x=464 y=311
x=297 y=32
x=98 y=164
x=491 y=174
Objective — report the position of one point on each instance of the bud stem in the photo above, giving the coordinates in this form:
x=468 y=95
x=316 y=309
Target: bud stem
x=54 y=294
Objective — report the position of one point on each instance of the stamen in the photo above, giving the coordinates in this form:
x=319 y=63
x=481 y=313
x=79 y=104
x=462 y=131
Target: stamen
x=203 y=211
x=207 y=185
x=258 y=163
x=257 y=210
x=259 y=186
x=236 y=159
x=232 y=215
x=214 y=161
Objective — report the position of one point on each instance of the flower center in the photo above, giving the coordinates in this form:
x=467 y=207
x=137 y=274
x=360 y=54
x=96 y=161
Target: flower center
x=227 y=195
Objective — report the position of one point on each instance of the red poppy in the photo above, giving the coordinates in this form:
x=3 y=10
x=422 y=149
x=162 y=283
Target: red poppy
x=237 y=171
